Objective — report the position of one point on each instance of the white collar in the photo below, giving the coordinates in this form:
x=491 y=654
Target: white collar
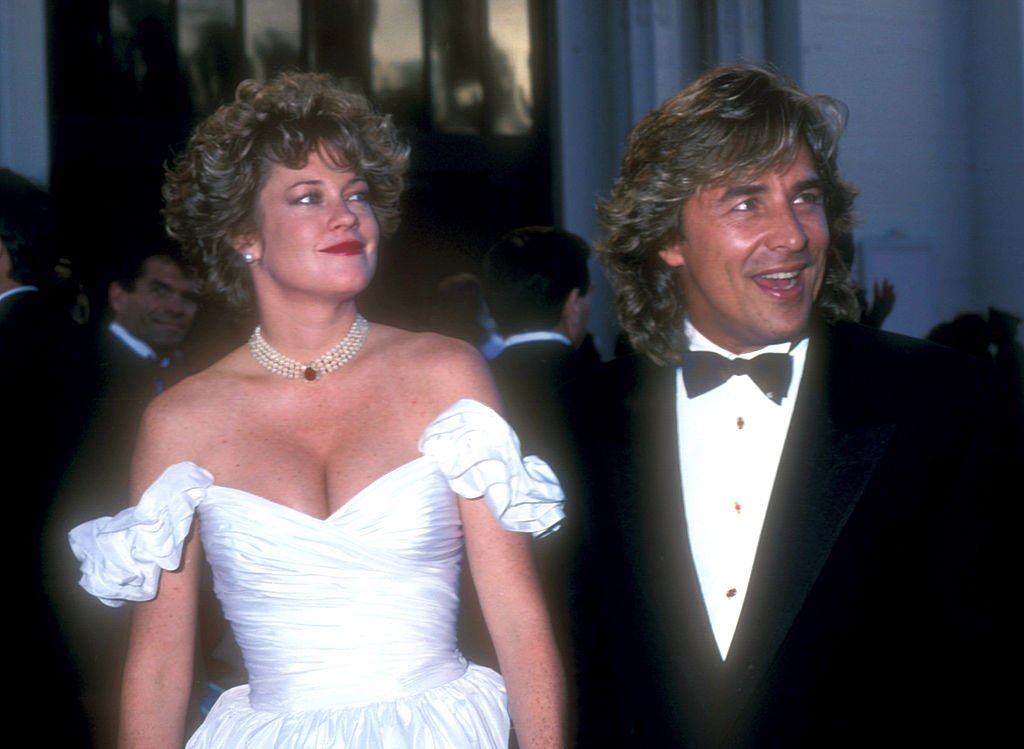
x=537 y=335
x=140 y=347
x=700 y=342
x=17 y=290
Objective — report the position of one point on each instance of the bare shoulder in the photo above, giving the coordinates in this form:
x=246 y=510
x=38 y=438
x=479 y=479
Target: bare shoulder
x=439 y=368
x=179 y=424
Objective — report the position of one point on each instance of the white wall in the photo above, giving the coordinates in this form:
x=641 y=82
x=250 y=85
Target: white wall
x=997 y=137
x=24 y=114
x=615 y=62
x=934 y=89
x=934 y=136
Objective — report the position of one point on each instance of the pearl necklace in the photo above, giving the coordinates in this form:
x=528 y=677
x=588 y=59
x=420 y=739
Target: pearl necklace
x=271 y=359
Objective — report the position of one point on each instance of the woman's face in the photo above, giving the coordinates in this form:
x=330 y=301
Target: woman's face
x=316 y=233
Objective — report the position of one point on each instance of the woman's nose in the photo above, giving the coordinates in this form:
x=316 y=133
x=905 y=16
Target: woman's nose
x=343 y=216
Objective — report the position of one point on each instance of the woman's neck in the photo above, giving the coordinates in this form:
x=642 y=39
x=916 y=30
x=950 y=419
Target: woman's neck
x=306 y=332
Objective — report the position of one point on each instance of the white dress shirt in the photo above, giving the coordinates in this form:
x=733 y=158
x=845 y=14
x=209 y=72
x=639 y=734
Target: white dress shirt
x=730 y=443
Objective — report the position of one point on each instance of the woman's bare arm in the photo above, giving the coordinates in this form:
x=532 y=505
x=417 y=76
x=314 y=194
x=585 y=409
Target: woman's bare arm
x=517 y=620
x=510 y=596
x=158 y=670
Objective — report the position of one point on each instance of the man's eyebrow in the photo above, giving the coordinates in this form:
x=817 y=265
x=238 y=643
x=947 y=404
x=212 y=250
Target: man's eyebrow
x=741 y=190
x=811 y=183
x=756 y=188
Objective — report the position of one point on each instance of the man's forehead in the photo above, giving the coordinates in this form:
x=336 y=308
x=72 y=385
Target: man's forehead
x=800 y=166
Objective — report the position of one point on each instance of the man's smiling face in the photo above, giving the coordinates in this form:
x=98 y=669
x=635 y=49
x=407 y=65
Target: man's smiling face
x=752 y=257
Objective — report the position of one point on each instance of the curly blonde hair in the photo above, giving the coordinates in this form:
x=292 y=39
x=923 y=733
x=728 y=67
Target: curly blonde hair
x=211 y=190
x=733 y=120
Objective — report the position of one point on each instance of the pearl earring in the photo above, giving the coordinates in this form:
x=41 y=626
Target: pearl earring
x=248 y=257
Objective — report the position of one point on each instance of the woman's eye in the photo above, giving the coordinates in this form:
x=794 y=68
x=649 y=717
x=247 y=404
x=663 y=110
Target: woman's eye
x=359 y=197
x=308 y=198
x=811 y=197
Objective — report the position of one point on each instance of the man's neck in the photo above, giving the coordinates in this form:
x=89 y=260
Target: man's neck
x=700 y=342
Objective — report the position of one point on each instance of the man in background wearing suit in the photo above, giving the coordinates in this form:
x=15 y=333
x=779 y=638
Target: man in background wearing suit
x=536 y=284
x=136 y=356
x=153 y=302
x=34 y=368
x=788 y=515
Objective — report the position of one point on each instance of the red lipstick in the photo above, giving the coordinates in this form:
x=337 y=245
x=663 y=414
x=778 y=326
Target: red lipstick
x=350 y=247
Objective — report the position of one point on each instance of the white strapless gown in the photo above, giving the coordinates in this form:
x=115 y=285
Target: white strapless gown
x=347 y=625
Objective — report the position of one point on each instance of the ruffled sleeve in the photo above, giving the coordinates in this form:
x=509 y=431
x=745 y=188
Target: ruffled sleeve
x=122 y=556
x=478 y=453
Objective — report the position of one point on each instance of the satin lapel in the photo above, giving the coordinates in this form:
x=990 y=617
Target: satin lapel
x=829 y=456
x=677 y=622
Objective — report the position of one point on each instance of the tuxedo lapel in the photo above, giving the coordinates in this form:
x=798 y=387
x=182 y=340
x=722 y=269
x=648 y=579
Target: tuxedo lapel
x=675 y=620
x=828 y=459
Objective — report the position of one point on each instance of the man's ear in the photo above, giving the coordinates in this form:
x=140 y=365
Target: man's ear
x=673 y=255
x=575 y=303
x=575 y=313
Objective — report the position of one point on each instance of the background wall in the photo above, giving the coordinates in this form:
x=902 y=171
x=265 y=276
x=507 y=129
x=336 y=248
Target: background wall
x=935 y=90
x=933 y=140
x=996 y=104
x=24 y=116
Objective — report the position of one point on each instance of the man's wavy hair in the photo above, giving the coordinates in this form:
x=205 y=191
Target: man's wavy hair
x=211 y=191
x=734 y=120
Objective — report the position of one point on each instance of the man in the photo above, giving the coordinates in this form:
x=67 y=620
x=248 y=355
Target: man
x=536 y=282
x=136 y=356
x=153 y=303
x=34 y=366
x=791 y=554
x=27 y=259
x=33 y=371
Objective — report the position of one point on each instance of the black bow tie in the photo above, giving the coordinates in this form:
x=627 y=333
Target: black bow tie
x=706 y=370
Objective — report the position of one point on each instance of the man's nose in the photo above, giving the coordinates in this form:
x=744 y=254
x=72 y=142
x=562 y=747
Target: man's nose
x=788 y=231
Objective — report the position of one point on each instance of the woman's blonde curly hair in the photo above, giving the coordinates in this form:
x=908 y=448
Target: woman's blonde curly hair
x=211 y=190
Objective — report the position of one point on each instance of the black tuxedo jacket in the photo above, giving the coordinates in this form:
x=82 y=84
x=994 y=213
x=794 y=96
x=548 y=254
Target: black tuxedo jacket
x=532 y=379
x=113 y=385
x=869 y=614
x=125 y=377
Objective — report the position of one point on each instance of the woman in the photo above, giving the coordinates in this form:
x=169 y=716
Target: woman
x=337 y=547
